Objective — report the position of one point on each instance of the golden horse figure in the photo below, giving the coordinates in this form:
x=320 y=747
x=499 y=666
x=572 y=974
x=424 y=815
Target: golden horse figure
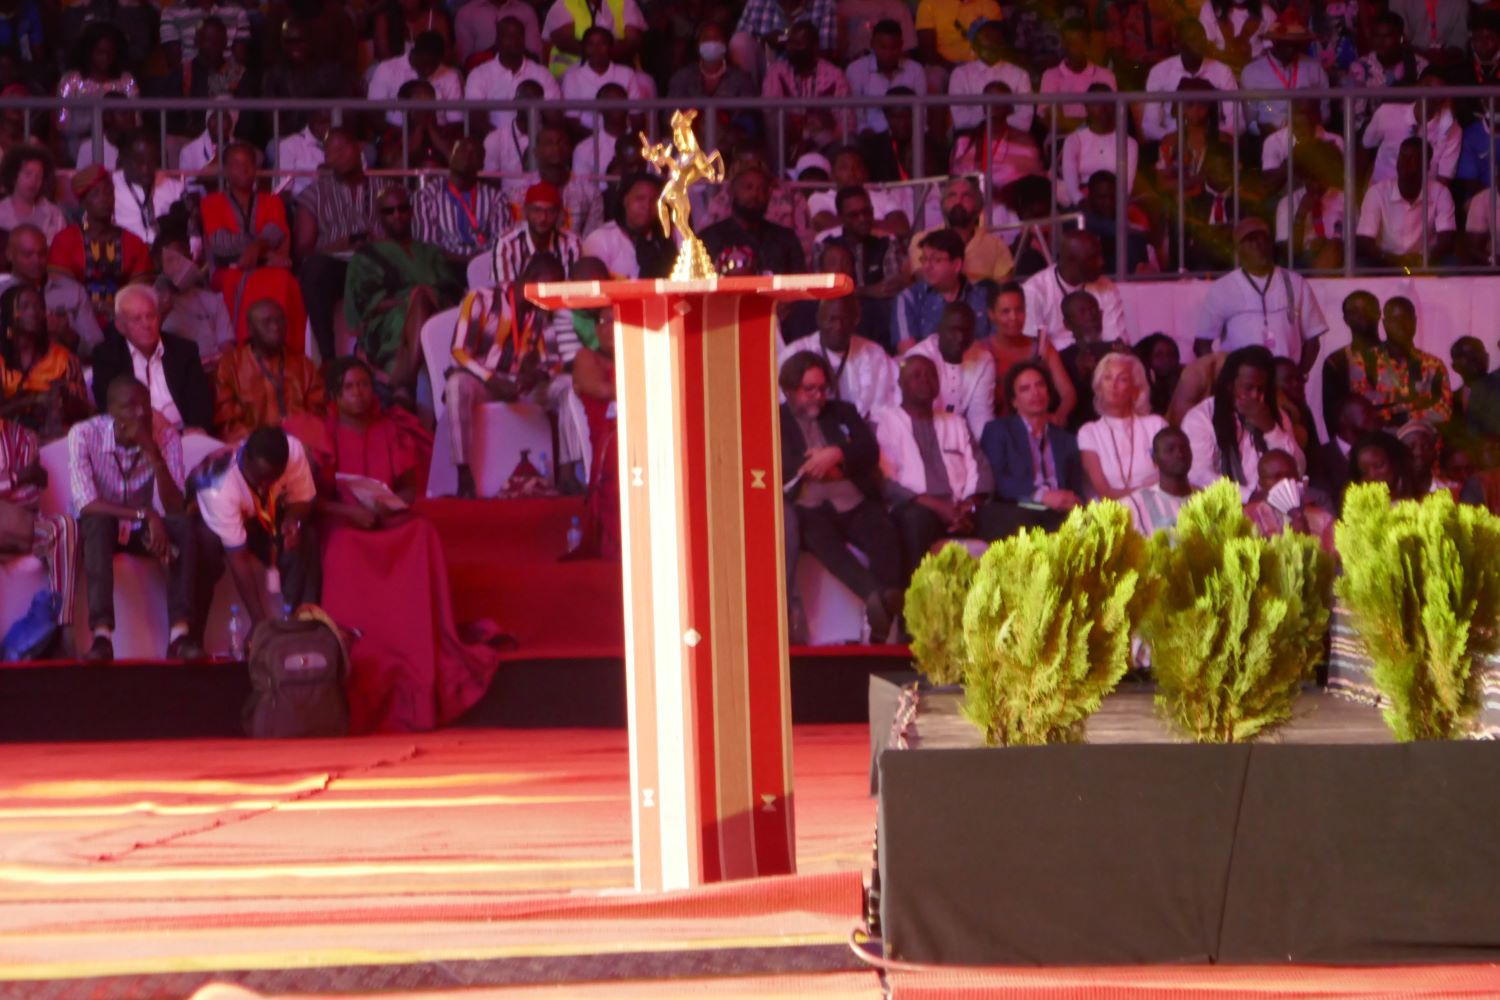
x=685 y=166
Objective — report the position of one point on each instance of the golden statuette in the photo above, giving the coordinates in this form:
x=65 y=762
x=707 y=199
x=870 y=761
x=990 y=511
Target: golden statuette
x=685 y=167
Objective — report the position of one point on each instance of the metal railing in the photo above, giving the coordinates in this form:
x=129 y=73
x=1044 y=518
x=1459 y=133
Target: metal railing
x=778 y=110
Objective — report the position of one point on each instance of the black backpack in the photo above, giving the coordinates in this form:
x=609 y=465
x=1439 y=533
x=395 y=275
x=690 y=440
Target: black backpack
x=298 y=669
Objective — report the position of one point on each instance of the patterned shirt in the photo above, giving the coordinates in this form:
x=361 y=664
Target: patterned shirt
x=460 y=222
x=18 y=451
x=1416 y=389
x=1369 y=72
x=101 y=469
x=340 y=209
x=180 y=23
x=516 y=246
x=767 y=17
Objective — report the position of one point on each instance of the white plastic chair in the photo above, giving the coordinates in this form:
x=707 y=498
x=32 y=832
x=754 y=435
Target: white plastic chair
x=834 y=613
x=481 y=271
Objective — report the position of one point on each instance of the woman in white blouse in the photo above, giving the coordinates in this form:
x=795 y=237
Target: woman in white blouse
x=1094 y=148
x=26 y=172
x=1116 y=448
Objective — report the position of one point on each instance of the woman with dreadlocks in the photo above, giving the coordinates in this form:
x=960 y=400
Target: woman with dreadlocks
x=1239 y=423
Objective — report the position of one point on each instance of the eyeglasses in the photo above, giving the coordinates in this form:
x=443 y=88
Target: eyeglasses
x=817 y=388
x=396 y=210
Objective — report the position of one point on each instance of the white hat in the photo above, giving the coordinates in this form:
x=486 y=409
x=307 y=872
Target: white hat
x=807 y=160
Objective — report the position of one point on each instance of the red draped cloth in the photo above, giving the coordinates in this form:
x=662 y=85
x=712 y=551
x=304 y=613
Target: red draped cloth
x=411 y=672
x=242 y=289
x=601 y=512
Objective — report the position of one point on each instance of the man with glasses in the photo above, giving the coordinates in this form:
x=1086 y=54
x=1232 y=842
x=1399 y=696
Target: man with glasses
x=395 y=284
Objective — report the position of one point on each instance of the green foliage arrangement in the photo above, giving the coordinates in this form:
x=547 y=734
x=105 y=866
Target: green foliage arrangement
x=935 y=612
x=1422 y=584
x=1047 y=626
x=1239 y=620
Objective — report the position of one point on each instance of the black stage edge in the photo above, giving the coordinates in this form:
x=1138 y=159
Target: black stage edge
x=1079 y=855
x=128 y=701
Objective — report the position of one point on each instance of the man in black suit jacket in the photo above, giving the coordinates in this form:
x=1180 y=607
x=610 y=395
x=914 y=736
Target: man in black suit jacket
x=160 y=361
x=830 y=467
x=1328 y=464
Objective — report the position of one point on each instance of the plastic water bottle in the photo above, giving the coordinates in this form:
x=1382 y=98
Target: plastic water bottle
x=575 y=535
x=236 y=634
x=543 y=467
x=286 y=611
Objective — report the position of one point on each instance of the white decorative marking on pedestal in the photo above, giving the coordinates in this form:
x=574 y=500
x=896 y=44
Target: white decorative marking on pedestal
x=770 y=803
x=684 y=307
x=757 y=479
x=648 y=798
x=636 y=474
x=691 y=637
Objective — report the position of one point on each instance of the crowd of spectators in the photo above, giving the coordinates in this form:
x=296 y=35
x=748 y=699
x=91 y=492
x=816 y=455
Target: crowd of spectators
x=173 y=271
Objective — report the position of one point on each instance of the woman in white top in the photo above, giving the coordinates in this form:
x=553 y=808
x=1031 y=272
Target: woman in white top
x=633 y=245
x=1116 y=448
x=26 y=172
x=99 y=69
x=1094 y=148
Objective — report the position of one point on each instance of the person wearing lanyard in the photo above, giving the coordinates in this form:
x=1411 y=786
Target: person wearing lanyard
x=1261 y=304
x=142 y=194
x=260 y=384
x=460 y=215
x=1285 y=67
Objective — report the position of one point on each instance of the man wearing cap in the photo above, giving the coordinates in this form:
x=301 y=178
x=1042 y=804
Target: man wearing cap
x=1260 y=304
x=70 y=316
x=98 y=254
x=539 y=232
x=1285 y=66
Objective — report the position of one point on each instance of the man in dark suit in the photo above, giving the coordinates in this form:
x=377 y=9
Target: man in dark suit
x=168 y=365
x=1328 y=464
x=830 y=466
x=1038 y=472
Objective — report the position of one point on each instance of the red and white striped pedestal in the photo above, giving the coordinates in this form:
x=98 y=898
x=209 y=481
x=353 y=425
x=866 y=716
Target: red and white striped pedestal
x=705 y=591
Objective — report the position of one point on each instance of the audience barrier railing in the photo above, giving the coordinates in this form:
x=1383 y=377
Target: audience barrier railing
x=1480 y=103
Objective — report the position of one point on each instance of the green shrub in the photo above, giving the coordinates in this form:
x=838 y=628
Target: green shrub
x=1238 y=622
x=935 y=612
x=1048 y=624
x=1422 y=584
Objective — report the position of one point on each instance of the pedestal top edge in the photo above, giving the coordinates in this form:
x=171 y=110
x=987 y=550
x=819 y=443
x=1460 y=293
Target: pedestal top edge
x=593 y=294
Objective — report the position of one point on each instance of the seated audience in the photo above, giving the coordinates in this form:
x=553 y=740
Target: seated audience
x=863 y=374
x=98 y=69
x=803 y=73
x=1403 y=382
x=254 y=508
x=581 y=198
x=423 y=61
x=1397 y=216
x=127 y=489
x=1094 y=148
x=497 y=79
x=595 y=151
x=144 y=195
x=501 y=354
x=26 y=172
x=1361 y=311
x=169 y=367
x=988 y=66
x=1261 y=304
x=943 y=283
x=1163 y=361
x=96 y=253
x=250 y=244
x=830 y=465
x=1154 y=508
x=1076 y=74
x=1285 y=65
x=1329 y=466
x=890 y=211
x=334 y=217
x=1001 y=151
x=1037 y=469
x=1138 y=37
x=1011 y=346
x=1237 y=29
x=1208 y=216
x=1182 y=155
x=882 y=69
x=41 y=381
x=1305 y=130
x=302 y=152
x=1080 y=265
x=1101 y=195
x=1380 y=458
x=1291 y=389
x=632 y=244
x=428 y=137
x=597 y=70
x=262 y=384
x=540 y=231
x=986 y=256
x=52 y=538
x=458 y=214
x=748 y=242
x=928 y=459
x=1421 y=441
x=1311 y=217
x=1273 y=511
x=411 y=669
x=966 y=368
x=189 y=309
x=1116 y=448
x=1193 y=62
x=712 y=74
x=395 y=285
x=1480 y=395
x=1389 y=63
x=70 y=314
x=1240 y=422
x=1430 y=118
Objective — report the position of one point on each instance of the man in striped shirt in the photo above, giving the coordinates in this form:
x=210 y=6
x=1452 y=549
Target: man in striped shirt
x=126 y=480
x=457 y=213
x=540 y=232
x=1155 y=507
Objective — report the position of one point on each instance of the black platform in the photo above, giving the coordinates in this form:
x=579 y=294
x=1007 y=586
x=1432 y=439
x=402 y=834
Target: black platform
x=1122 y=854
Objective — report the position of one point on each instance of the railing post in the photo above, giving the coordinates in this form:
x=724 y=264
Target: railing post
x=1426 y=155
x=1351 y=210
x=1489 y=128
x=1182 y=189
x=1122 y=190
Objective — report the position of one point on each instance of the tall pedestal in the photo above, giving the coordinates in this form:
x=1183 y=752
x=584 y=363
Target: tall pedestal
x=705 y=591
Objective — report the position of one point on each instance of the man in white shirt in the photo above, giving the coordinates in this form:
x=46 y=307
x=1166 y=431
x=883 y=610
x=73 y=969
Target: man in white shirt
x=423 y=62
x=1305 y=128
x=200 y=152
x=170 y=367
x=884 y=68
x=972 y=77
x=1247 y=384
x=1080 y=264
x=564 y=30
x=966 y=369
x=864 y=374
x=1284 y=67
x=474 y=27
x=302 y=152
x=256 y=504
x=1074 y=75
x=1156 y=121
x=1394 y=122
x=1397 y=215
x=582 y=82
x=1261 y=304
x=143 y=195
x=497 y=79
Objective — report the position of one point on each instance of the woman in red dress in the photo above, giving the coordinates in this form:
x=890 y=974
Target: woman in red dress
x=384 y=575
x=249 y=241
